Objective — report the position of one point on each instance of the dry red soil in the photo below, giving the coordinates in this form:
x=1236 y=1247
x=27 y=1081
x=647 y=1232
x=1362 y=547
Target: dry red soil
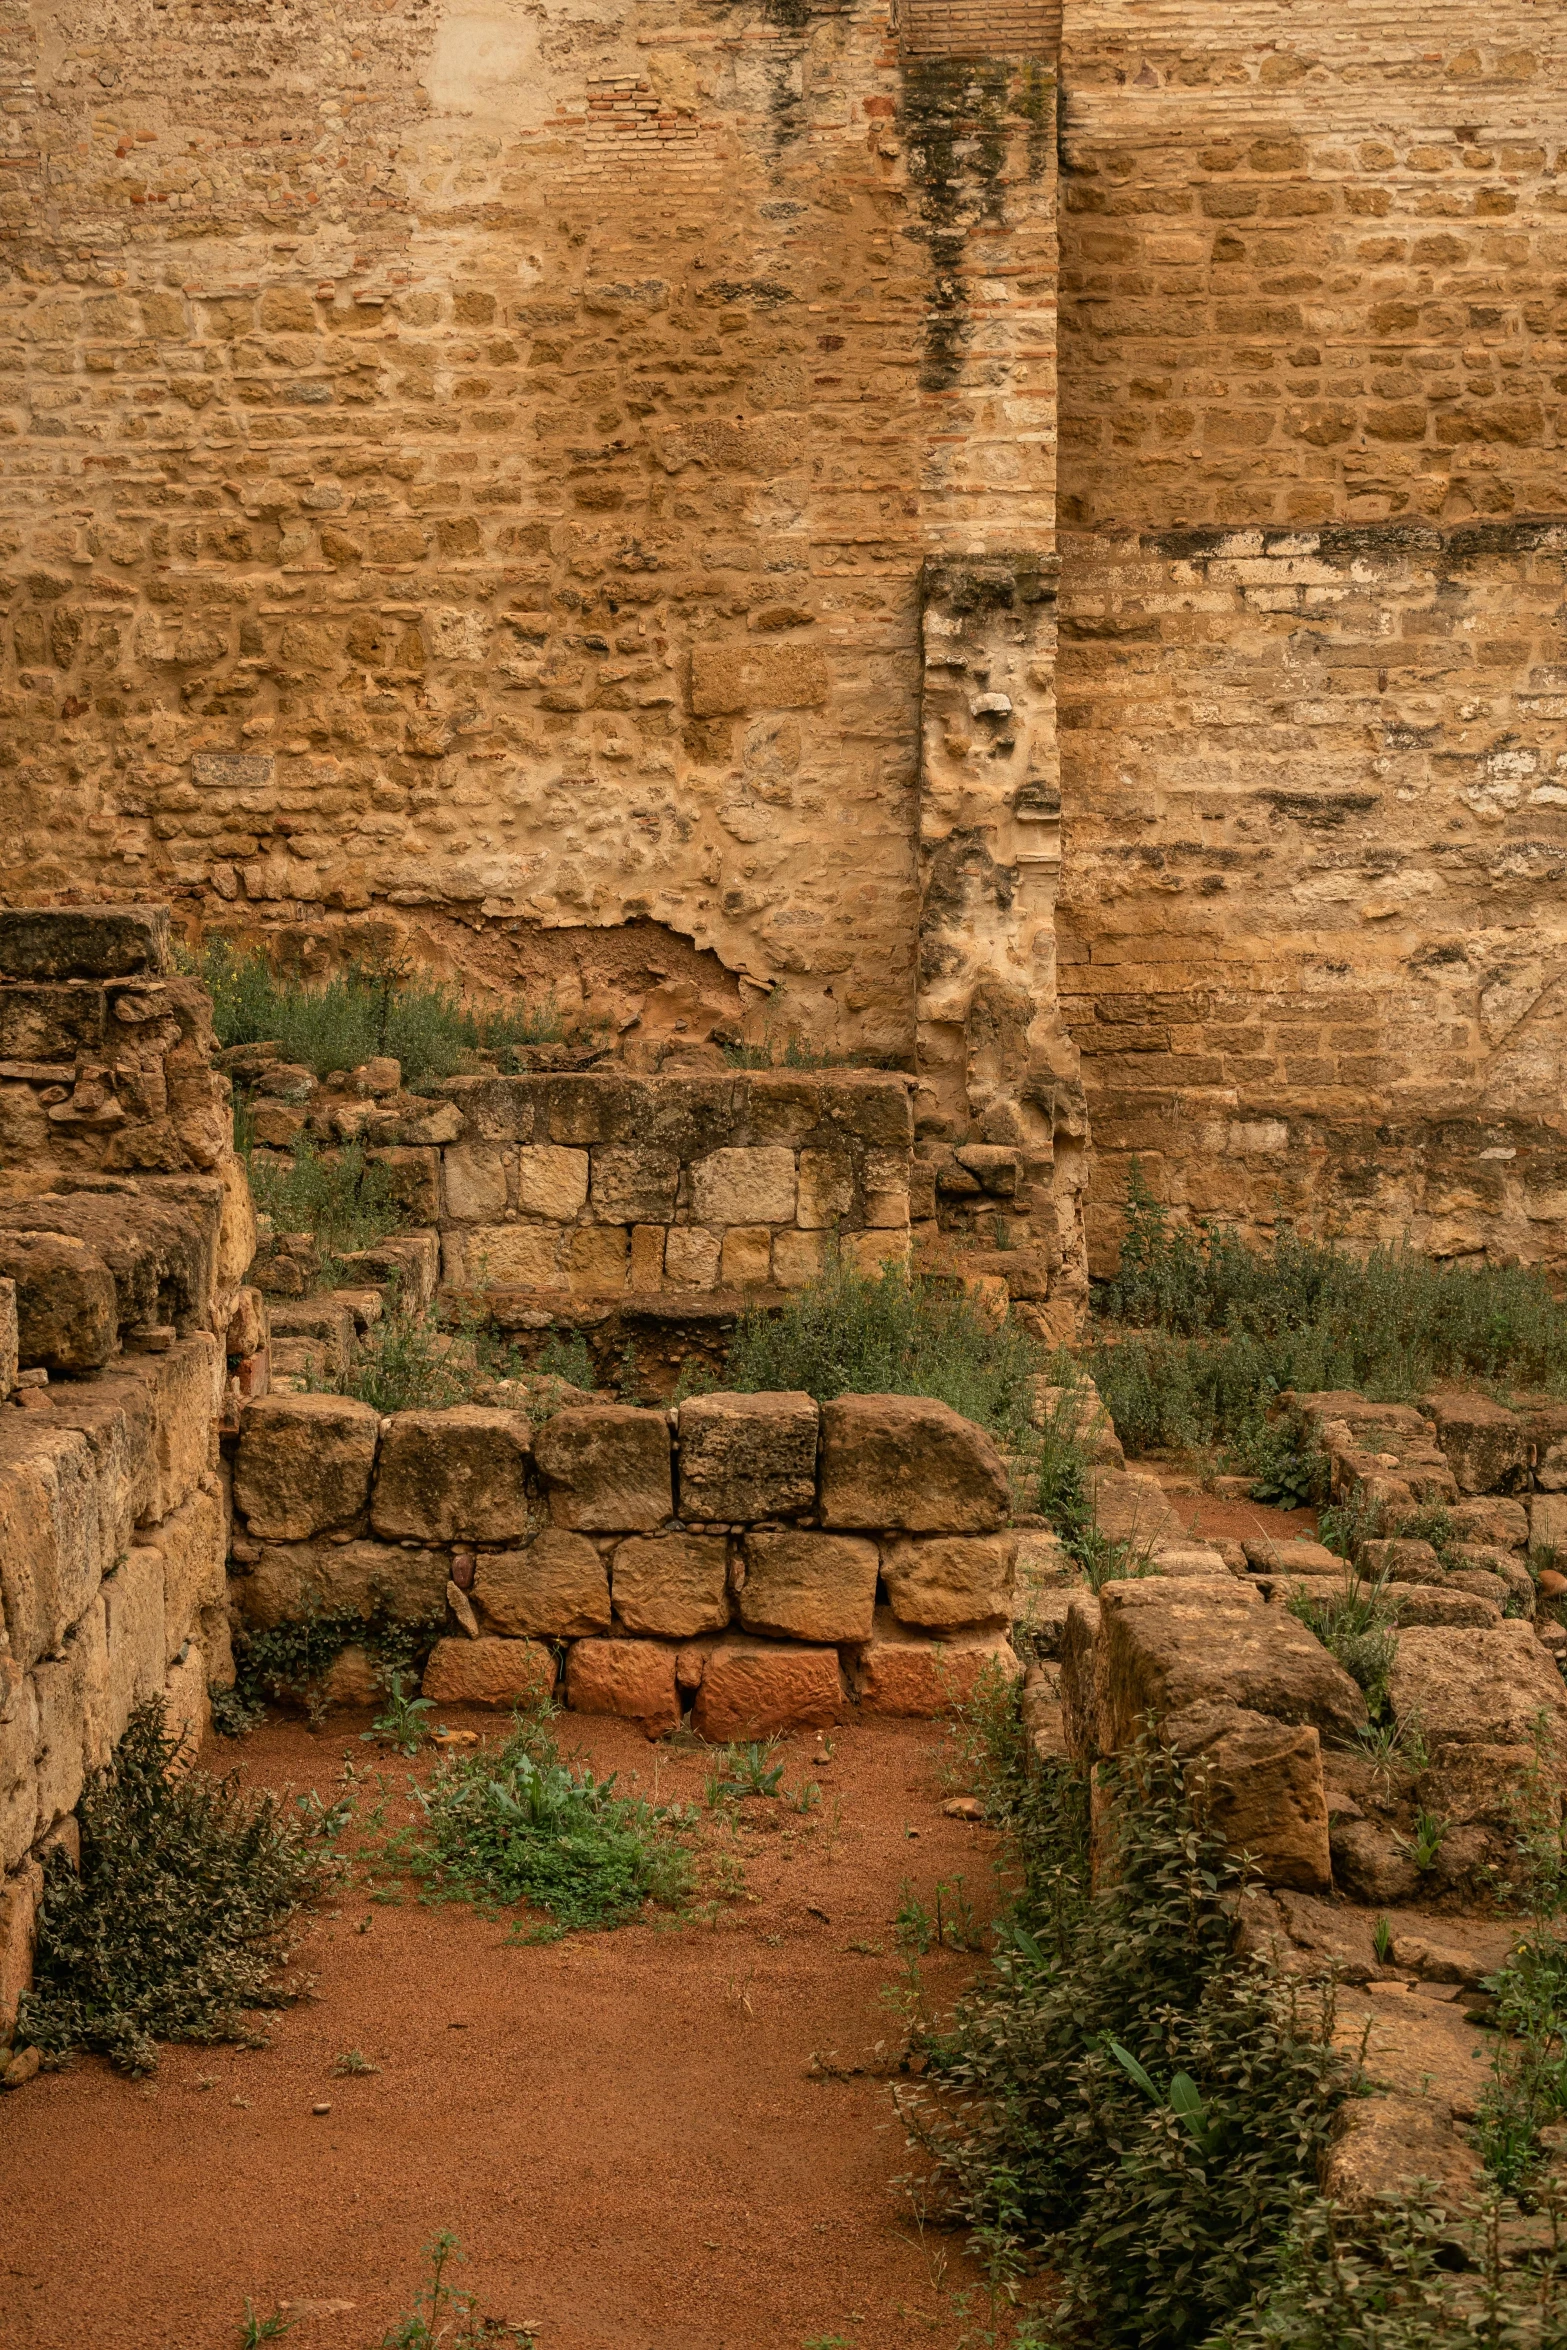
x=623 y=2128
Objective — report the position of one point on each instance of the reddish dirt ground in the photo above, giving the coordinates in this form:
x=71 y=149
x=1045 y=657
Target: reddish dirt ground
x=622 y=2127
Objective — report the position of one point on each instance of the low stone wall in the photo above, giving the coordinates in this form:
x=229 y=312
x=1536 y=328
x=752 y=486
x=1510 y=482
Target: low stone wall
x=125 y=1233
x=748 y=1558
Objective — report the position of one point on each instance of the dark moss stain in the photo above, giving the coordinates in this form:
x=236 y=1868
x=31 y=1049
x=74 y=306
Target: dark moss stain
x=989 y=583
x=952 y=114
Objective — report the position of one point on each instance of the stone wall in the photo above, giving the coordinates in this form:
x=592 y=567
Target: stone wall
x=123 y=1322
x=1311 y=656
x=746 y=1558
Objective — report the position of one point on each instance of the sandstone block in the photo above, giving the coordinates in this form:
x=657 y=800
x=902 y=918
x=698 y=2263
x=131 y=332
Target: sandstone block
x=83 y=942
x=473 y=1175
x=1489 y=1518
x=1548 y=1521
x=674 y=1586
x=133 y=1631
x=72 y=1689
x=906 y=1461
x=747 y=676
x=1501 y=1787
x=946 y=1580
x=871 y=1252
x=632 y=1678
x=115 y=1415
x=1369 y=1866
x=292 y=1581
x=597 y=1259
x=530 y=1256
x=1262 y=1790
x=554 y=1589
x=66 y=1307
x=452 y=1476
x=186 y=1387
x=187 y=1704
x=691 y=1256
x=747 y=1456
x=1487 y=1688
x=1292 y=1557
x=1166 y=1647
x=826 y=1190
x=51 y=1552
x=489 y=1672
x=647 y=1256
x=20 y=1894
x=10 y=1338
x=1486 y=1446
x=552 y=1182
x=804 y=1586
x=744 y=1187
x=607 y=1468
x=901 y=1671
x=746 y=1260
x=18 y=1770
x=798 y=1258
x=751 y=1689
x=304 y=1464
x=632 y=1184
x=1387 y=2144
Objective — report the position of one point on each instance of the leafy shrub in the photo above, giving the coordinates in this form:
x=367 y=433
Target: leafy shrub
x=847 y=1334
x=1220 y=1329
x=523 y=1826
x=171 y=1928
x=364 y=1012
x=348 y=1200
x=1053 y=2151
x=290 y=1661
x=1528 y=2090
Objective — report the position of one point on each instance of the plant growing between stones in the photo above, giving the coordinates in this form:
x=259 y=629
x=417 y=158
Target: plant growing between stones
x=347 y=1200
x=402 y=1725
x=1355 y=1624
x=172 y=1929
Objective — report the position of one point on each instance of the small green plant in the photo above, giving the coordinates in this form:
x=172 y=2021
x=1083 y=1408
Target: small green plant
x=750 y=1770
x=171 y=1929
x=566 y=1359
x=806 y=1798
x=1184 y=2100
x=1425 y=1846
x=1382 y=1941
x=353 y=2063
x=521 y=1826
x=403 y=1725
x=289 y=1662
x=255 y=2329
x=445 y=2318
x=1528 y=2087
x=1392 y=1746
x=1356 y=1624
x=347 y=1200
x=913 y=1927
x=234 y=1715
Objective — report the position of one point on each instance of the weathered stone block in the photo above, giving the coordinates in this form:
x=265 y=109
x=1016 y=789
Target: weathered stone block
x=753 y=1688
x=632 y=1678
x=633 y=1185
x=83 y=942
x=673 y=1586
x=304 y=1464
x=133 y=1633
x=1166 y=1647
x=746 y=1260
x=556 y=1589
x=552 y=1182
x=826 y=1188
x=747 y=1456
x=531 y=1256
x=51 y=1552
x=1261 y=1787
x=413 y=1178
x=946 y=1580
x=452 y=1476
x=647 y=1256
x=804 y=1586
x=20 y=1894
x=187 y=1704
x=18 y=1770
x=596 y=1259
x=1547 y=1521
x=313 y=1337
x=750 y=676
x=489 y=1672
x=72 y=1689
x=744 y=1187
x=51 y=1024
x=607 y=1468
x=191 y=1546
x=186 y=1388
x=901 y=1671
x=691 y=1256
x=1487 y=1688
x=1485 y=1445
x=909 y=1462
x=1489 y=1518
x=798 y=1258
x=116 y=1416
x=473 y=1175
x=66 y=1305
x=292 y=1581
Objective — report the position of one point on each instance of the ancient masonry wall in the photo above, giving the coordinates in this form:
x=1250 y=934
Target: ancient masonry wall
x=125 y=1234
x=1311 y=639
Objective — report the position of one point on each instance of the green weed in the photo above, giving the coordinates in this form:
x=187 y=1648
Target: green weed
x=172 y=1928
x=354 y=2062
x=1382 y=1941
x=445 y=2318
x=255 y=2329
x=403 y=1725
x=346 y=1199
x=1356 y=1624
x=745 y=1770
x=521 y=1826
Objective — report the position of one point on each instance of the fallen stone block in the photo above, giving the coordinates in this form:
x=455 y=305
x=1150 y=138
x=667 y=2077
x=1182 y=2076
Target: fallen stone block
x=1131 y=1508
x=805 y=1586
x=1389 y=2143
x=942 y=1581
x=1511 y=1789
x=66 y=1304
x=292 y=1581
x=489 y=1672
x=607 y=1470
x=747 y=1456
x=458 y=1475
x=754 y=1688
x=1371 y=1865
x=1489 y=1688
x=909 y=1462
x=554 y=1589
x=673 y=1586
x=921 y=1676
x=632 y=1678
x=1401 y=1559
x=1167 y=1647
x=1485 y=1445
x=1180 y=1560
x=304 y=1465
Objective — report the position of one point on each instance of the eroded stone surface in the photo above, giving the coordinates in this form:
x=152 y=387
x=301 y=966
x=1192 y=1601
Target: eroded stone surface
x=909 y=1462
x=304 y=1465
x=747 y=1456
x=453 y=1476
